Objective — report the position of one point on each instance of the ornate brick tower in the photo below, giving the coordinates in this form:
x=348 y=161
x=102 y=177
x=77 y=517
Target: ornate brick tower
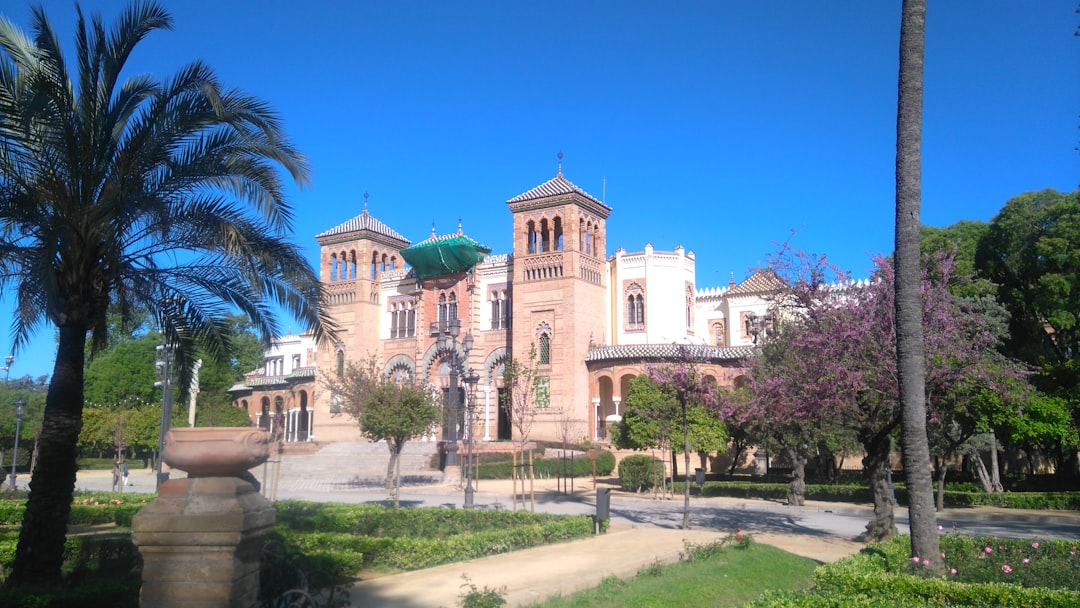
x=559 y=290
x=354 y=256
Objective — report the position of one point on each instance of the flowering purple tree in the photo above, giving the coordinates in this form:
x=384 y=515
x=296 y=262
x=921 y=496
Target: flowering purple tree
x=832 y=367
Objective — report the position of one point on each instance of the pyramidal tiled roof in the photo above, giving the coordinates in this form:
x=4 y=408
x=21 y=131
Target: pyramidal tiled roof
x=762 y=281
x=364 y=221
x=554 y=187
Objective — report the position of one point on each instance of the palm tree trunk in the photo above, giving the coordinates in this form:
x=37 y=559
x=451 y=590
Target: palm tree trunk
x=909 y=323
x=40 y=552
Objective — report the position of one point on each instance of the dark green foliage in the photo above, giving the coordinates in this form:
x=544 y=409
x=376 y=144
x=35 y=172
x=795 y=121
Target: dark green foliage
x=885 y=570
x=357 y=536
x=1062 y=501
x=581 y=466
x=640 y=472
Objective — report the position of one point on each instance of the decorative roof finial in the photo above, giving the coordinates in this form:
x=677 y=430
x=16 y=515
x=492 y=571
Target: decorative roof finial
x=433 y=229
x=459 y=226
x=559 y=156
x=365 y=201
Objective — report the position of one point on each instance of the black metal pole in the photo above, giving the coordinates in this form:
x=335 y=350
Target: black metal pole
x=15 y=453
x=452 y=412
x=469 y=457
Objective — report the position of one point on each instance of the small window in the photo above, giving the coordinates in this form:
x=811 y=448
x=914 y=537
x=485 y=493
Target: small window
x=545 y=349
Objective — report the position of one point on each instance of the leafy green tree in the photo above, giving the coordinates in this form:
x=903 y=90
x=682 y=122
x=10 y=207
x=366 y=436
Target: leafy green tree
x=393 y=410
x=682 y=380
x=102 y=182
x=651 y=416
x=123 y=373
x=1032 y=252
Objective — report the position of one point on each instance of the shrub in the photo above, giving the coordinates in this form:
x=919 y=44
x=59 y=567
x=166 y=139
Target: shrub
x=640 y=472
x=884 y=570
x=498 y=466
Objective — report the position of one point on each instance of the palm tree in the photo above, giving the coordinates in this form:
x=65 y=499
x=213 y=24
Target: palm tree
x=126 y=195
x=909 y=323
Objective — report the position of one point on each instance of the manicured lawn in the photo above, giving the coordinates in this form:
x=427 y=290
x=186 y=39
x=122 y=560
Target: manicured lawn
x=731 y=576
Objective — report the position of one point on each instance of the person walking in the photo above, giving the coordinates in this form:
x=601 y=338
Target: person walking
x=115 y=476
x=124 y=472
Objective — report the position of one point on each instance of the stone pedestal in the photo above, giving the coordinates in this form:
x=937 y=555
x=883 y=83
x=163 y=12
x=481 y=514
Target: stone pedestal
x=201 y=539
x=201 y=542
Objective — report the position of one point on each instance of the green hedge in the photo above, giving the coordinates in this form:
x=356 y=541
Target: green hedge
x=91 y=508
x=1046 y=501
x=492 y=468
x=881 y=575
x=640 y=472
x=356 y=536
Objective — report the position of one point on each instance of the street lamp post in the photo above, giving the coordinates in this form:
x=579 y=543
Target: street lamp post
x=20 y=409
x=471 y=380
x=760 y=325
x=163 y=364
x=447 y=341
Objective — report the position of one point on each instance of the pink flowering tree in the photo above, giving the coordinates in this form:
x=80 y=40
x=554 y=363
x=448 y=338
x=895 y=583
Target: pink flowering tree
x=832 y=367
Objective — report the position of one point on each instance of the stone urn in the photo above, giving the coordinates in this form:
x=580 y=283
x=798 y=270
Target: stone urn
x=216 y=451
x=201 y=539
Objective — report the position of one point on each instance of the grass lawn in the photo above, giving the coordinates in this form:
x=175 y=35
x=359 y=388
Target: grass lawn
x=731 y=576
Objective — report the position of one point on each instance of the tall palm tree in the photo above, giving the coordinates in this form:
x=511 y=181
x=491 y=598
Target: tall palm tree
x=137 y=194
x=909 y=322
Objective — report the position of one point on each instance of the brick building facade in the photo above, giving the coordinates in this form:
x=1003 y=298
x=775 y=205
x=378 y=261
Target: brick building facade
x=594 y=319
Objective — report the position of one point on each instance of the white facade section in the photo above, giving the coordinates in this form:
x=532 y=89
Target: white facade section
x=287 y=354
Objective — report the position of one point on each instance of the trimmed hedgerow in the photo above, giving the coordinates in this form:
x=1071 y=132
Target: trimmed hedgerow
x=86 y=509
x=886 y=570
x=1046 y=501
x=409 y=539
x=581 y=466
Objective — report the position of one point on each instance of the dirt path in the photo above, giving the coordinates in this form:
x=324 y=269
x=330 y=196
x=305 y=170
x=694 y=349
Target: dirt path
x=825 y=549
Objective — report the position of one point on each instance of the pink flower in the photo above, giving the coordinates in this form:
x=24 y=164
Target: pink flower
x=942 y=555
x=940 y=528
x=1034 y=545
x=988 y=550
x=1026 y=561
x=915 y=559
x=1006 y=569
x=953 y=570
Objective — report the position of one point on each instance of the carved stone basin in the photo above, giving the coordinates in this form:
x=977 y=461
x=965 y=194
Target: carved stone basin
x=216 y=451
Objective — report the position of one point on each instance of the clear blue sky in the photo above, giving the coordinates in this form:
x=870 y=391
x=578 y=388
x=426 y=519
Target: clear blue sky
x=721 y=126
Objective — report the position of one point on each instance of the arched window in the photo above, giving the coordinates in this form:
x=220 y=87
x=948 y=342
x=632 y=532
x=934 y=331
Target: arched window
x=340 y=363
x=443 y=310
x=718 y=333
x=545 y=349
x=635 y=307
x=558 y=234
x=530 y=236
x=452 y=312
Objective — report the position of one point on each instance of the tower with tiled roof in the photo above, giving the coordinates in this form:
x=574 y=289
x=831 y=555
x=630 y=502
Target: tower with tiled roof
x=354 y=255
x=559 y=286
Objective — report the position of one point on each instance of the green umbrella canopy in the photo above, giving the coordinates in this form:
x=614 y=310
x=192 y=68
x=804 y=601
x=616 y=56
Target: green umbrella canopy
x=442 y=255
